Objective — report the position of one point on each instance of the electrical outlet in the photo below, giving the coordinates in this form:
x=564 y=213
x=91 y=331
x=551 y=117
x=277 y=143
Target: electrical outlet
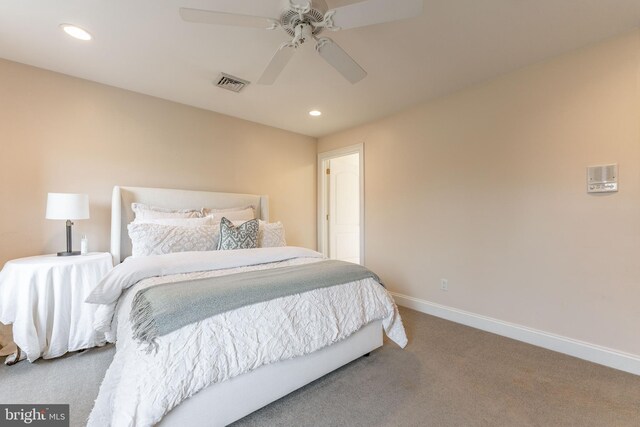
x=444 y=284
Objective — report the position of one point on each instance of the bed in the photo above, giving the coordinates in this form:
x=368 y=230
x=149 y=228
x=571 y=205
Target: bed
x=243 y=389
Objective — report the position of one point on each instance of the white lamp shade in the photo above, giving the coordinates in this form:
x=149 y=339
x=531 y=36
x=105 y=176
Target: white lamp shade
x=67 y=206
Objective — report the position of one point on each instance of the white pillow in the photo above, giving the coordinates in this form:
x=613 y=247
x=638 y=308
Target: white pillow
x=158 y=239
x=232 y=214
x=271 y=235
x=181 y=222
x=144 y=212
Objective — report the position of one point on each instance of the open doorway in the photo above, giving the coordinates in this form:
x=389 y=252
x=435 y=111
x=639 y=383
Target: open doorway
x=341 y=204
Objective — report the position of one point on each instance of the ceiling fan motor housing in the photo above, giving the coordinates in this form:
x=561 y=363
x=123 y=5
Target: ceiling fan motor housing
x=290 y=18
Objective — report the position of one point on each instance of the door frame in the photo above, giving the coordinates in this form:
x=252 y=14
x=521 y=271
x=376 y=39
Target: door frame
x=323 y=195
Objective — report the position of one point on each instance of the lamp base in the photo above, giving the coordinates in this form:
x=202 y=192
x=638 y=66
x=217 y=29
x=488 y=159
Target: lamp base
x=69 y=253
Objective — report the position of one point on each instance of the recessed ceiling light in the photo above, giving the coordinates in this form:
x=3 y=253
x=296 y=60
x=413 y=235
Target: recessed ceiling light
x=76 y=32
x=315 y=113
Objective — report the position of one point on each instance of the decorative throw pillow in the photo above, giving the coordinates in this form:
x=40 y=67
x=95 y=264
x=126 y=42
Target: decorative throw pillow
x=158 y=239
x=244 y=236
x=144 y=212
x=271 y=235
x=232 y=214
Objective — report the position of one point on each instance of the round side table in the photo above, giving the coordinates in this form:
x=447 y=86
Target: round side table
x=43 y=298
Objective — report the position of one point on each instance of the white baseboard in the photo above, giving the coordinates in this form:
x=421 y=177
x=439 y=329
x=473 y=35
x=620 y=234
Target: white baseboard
x=583 y=350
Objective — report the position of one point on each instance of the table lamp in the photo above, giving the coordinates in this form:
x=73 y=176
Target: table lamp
x=68 y=207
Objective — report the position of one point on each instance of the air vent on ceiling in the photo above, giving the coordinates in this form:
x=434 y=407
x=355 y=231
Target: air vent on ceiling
x=234 y=84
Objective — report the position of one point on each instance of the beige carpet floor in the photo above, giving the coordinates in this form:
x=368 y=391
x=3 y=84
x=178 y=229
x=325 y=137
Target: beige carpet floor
x=449 y=375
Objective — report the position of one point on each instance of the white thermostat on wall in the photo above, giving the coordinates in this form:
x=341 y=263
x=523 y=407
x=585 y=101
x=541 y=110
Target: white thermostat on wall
x=602 y=179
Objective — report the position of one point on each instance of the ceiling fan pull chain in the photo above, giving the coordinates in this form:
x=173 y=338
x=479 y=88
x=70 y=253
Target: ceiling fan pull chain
x=302 y=33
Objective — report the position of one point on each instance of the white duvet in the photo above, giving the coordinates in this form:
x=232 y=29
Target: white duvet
x=140 y=388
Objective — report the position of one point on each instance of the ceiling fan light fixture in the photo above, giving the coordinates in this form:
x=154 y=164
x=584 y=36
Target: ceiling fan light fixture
x=76 y=32
x=315 y=113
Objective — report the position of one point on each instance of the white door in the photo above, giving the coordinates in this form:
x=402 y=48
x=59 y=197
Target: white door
x=344 y=208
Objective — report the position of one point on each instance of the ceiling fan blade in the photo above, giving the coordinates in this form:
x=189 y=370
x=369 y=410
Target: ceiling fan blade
x=279 y=60
x=370 y=12
x=340 y=60
x=223 y=18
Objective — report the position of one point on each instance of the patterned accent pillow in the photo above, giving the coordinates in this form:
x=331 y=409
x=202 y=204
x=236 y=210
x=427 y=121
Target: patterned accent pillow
x=271 y=235
x=158 y=239
x=244 y=236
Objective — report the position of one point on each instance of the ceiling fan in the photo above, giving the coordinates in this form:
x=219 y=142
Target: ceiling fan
x=305 y=20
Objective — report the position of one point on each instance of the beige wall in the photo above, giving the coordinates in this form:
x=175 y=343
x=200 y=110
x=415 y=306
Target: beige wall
x=487 y=189
x=62 y=134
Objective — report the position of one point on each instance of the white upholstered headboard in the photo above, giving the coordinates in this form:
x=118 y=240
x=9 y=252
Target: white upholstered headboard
x=122 y=214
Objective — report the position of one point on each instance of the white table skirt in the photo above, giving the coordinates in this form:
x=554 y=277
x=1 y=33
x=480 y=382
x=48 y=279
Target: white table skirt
x=43 y=297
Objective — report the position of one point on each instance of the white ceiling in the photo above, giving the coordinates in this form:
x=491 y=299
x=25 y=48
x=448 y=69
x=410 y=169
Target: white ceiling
x=144 y=46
